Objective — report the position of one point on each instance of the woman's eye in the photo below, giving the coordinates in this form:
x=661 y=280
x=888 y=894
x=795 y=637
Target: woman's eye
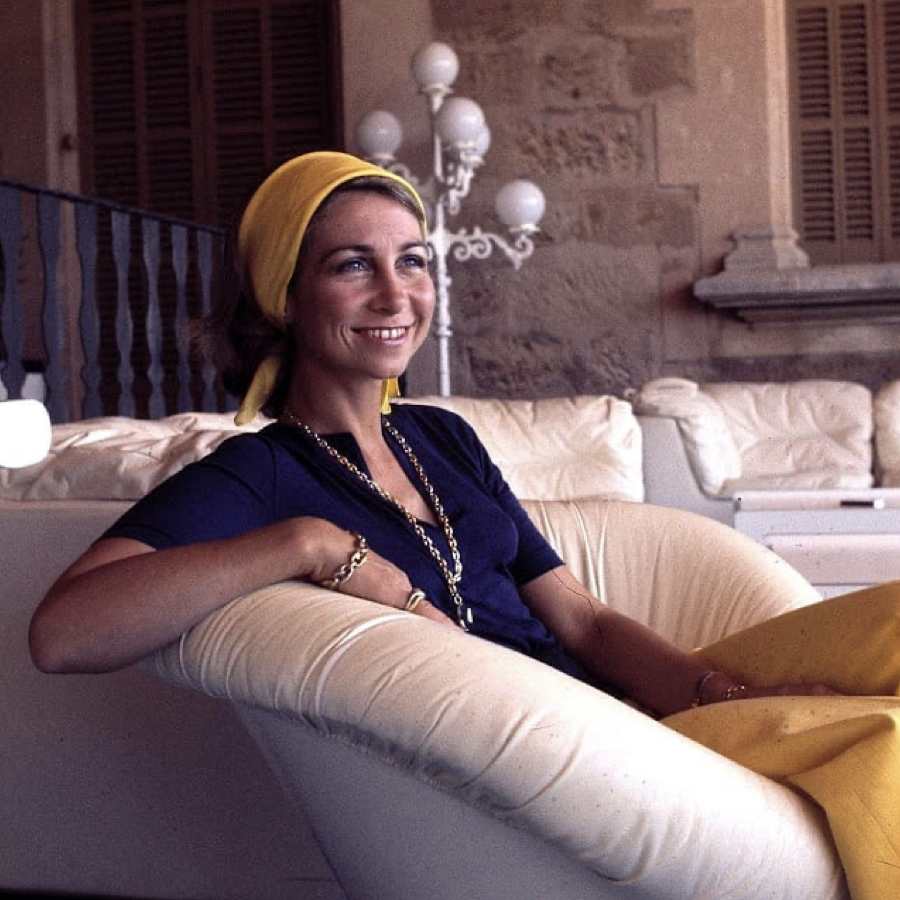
x=414 y=261
x=351 y=265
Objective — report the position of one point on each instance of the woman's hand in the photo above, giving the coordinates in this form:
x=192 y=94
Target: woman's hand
x=376 y=579
x=718 y=687
x=785 y=690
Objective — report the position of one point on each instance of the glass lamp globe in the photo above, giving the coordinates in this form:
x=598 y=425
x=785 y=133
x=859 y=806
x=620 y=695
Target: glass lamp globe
x=520 y=205
x=25 y=433
x=483 y=142
x=459 y=122
x=435 y=65
x=379 y=135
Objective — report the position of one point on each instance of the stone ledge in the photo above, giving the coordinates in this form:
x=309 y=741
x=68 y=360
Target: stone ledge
x=754 y=289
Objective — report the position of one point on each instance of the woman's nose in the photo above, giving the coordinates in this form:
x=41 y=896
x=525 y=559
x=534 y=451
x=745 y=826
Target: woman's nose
x=391 y=294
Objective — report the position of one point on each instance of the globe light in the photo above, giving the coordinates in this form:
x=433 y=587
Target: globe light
x=459 y=122
x=379 y=135
x=483 y=142
x=25 y=433
x=520 y=205
x=435 y=65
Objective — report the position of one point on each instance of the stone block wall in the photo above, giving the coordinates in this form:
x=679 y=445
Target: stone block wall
x=584 y=97
x=568 y=88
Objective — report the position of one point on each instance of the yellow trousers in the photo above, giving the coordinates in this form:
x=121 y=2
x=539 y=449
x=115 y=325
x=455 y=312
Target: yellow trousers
x=844 y=751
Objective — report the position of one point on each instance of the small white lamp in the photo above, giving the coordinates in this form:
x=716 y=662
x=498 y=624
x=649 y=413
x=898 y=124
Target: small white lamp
x=520 y=205
x=25 y=433
x=435 y=67
x=379 y=135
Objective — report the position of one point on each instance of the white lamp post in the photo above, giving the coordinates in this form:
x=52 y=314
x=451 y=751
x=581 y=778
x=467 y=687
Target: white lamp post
x=460 y=140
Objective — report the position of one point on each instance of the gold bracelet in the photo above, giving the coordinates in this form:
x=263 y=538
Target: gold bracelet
x=344 y=572
x=734 y=690
x=414 y=599
x=701 y=684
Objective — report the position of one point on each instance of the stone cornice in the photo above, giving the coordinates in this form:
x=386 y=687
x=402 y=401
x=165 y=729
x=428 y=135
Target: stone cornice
x=764 y=282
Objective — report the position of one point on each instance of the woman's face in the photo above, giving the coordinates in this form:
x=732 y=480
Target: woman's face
x=363 y=298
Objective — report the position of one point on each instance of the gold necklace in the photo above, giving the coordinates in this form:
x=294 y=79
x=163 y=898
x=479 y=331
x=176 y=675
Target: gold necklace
x=452 y=578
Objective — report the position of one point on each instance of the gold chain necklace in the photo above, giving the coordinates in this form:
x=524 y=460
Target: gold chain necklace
x=452 y=578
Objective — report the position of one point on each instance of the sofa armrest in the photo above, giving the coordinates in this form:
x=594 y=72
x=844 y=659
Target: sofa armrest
x=503 y=733
x=669 y=479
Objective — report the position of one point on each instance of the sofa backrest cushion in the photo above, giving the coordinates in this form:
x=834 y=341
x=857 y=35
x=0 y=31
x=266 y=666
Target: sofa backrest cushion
x=116 y=457
x=711 y=451
x=800 y=434
x=769 y=435
x=563 y=448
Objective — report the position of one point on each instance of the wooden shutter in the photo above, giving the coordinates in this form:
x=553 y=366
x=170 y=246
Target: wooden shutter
x=845 y=57
x=184 y=104
x=890 y=101
x=274 y=82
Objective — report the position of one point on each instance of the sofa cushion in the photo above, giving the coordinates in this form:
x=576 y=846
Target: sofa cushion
x=801 y=434
x=561 y=449
x=886 y=414
x=564 y=448
x=116 y=457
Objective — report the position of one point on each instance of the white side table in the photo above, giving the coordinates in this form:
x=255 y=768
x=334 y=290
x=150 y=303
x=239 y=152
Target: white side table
x=840 y=540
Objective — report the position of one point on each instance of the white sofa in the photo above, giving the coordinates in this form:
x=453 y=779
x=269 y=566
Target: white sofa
x=809 y=468
x=426 y=764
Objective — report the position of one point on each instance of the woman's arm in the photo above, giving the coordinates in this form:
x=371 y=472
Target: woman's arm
x=629 y=656
x=122 y=600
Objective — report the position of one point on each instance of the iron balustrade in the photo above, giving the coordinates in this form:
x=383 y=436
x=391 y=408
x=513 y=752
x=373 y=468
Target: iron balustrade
x=100 y=298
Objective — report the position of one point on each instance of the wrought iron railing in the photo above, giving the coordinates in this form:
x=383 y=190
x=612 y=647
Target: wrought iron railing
x=97 y=300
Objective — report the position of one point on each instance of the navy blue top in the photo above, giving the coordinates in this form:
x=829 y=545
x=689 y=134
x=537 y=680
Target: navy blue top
x=256 y=479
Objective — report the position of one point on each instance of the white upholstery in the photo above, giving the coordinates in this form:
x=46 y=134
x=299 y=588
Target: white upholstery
x=121 y=785
x=712 y=453
x=558 y=449
x=653 y=815
x=886 y=416
x=432 y=764
x=117 y=458
x=802 y=434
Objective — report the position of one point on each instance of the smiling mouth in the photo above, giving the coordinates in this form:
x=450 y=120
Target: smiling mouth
x=384 y=334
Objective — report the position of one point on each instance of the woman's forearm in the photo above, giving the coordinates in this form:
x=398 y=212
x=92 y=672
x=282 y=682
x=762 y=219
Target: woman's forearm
x=122 y=600
x=621 y=653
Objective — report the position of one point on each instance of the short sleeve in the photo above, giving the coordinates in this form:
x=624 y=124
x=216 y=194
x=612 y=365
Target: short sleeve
x=223 y=495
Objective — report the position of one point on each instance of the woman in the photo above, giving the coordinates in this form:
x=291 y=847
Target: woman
x=404 y=509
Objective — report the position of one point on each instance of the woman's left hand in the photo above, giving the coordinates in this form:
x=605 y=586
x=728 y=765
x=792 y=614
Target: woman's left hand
x=746 y=692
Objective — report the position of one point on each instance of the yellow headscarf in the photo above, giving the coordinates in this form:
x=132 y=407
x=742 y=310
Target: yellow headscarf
x=269 y=238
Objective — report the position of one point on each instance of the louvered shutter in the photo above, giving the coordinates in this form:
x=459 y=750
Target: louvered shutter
x=184 y=104
x=845 y=55
x=274 y=81
x=890 y=101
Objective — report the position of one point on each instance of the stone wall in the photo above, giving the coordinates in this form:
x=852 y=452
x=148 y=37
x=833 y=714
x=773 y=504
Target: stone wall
x=597 y=101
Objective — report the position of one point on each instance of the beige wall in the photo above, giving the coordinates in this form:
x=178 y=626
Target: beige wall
x=37 y=92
